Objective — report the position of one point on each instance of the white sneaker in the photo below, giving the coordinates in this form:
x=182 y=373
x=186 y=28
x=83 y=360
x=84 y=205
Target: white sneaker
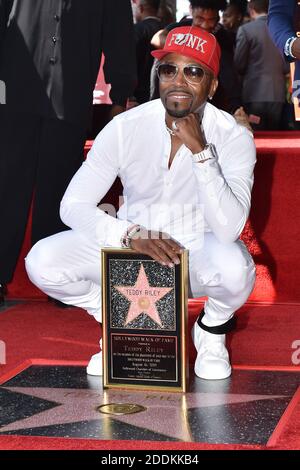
x=212 y=362
x=95 y=366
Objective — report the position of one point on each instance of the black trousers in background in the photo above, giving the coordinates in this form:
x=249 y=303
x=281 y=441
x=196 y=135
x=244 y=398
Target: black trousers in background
x=38 y=157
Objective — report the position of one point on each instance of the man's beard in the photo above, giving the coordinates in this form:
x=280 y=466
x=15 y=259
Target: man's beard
x=176 y=113
x=179 y=113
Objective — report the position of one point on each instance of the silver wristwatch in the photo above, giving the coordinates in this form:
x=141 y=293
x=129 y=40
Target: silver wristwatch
x=208 y=153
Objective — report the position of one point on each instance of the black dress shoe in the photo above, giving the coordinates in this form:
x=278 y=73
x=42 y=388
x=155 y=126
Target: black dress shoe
x=58 y=303
x=3 y=292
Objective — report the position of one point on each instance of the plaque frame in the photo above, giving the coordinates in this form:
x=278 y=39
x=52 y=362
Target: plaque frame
x=171 y=340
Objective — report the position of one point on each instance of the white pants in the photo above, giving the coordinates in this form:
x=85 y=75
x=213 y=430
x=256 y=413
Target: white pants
x=67 y=267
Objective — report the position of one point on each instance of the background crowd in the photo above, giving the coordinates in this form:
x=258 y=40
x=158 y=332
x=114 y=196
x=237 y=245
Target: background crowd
x=253 y=72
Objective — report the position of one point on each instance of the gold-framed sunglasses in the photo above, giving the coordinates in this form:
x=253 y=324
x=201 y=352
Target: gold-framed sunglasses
x=193 y=74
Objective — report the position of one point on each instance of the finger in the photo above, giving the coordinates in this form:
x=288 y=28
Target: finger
x=175 y=246
x=166 y=251
x=159 y=256
x=147 y=249
x=163 y=255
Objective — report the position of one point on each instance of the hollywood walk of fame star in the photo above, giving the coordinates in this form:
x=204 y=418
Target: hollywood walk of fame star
x=143 y=298
x=165 y=413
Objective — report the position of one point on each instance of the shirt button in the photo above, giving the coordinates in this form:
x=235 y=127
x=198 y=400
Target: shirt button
x=52 y=60
x=56 y=17
x=54 y=39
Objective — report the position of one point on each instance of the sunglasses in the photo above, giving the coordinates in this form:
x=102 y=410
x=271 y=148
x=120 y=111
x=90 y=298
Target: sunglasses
x=192 y=73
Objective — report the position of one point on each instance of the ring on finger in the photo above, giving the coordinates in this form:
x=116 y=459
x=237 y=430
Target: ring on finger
x=174 y=126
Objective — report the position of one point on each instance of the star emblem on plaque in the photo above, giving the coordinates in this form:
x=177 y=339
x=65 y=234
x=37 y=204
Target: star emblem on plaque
x=144 y=298
x=144 y=316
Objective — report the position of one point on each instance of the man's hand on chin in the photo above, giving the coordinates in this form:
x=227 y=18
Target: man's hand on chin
x=188 y=130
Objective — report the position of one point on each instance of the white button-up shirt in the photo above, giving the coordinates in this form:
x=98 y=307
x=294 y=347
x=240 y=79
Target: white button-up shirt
x=184 y=200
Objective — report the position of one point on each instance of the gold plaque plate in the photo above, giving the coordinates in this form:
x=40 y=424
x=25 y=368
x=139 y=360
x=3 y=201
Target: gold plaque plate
x=119 y=409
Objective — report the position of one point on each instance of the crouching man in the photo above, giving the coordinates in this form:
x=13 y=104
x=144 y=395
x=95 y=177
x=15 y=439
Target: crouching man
x=180 y=155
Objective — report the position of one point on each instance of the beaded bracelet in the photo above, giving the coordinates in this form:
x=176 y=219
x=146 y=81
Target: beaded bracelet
x=127 y=237
x=288 y=47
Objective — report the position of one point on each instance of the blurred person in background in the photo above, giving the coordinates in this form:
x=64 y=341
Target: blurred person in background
x=50 y=52
x=147 y=24
x=284 y=27
x=262 y=70
x=165 y=13
x=234 y=15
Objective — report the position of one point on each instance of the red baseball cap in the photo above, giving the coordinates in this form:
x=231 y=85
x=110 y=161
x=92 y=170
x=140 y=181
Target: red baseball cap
x=194 y=42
